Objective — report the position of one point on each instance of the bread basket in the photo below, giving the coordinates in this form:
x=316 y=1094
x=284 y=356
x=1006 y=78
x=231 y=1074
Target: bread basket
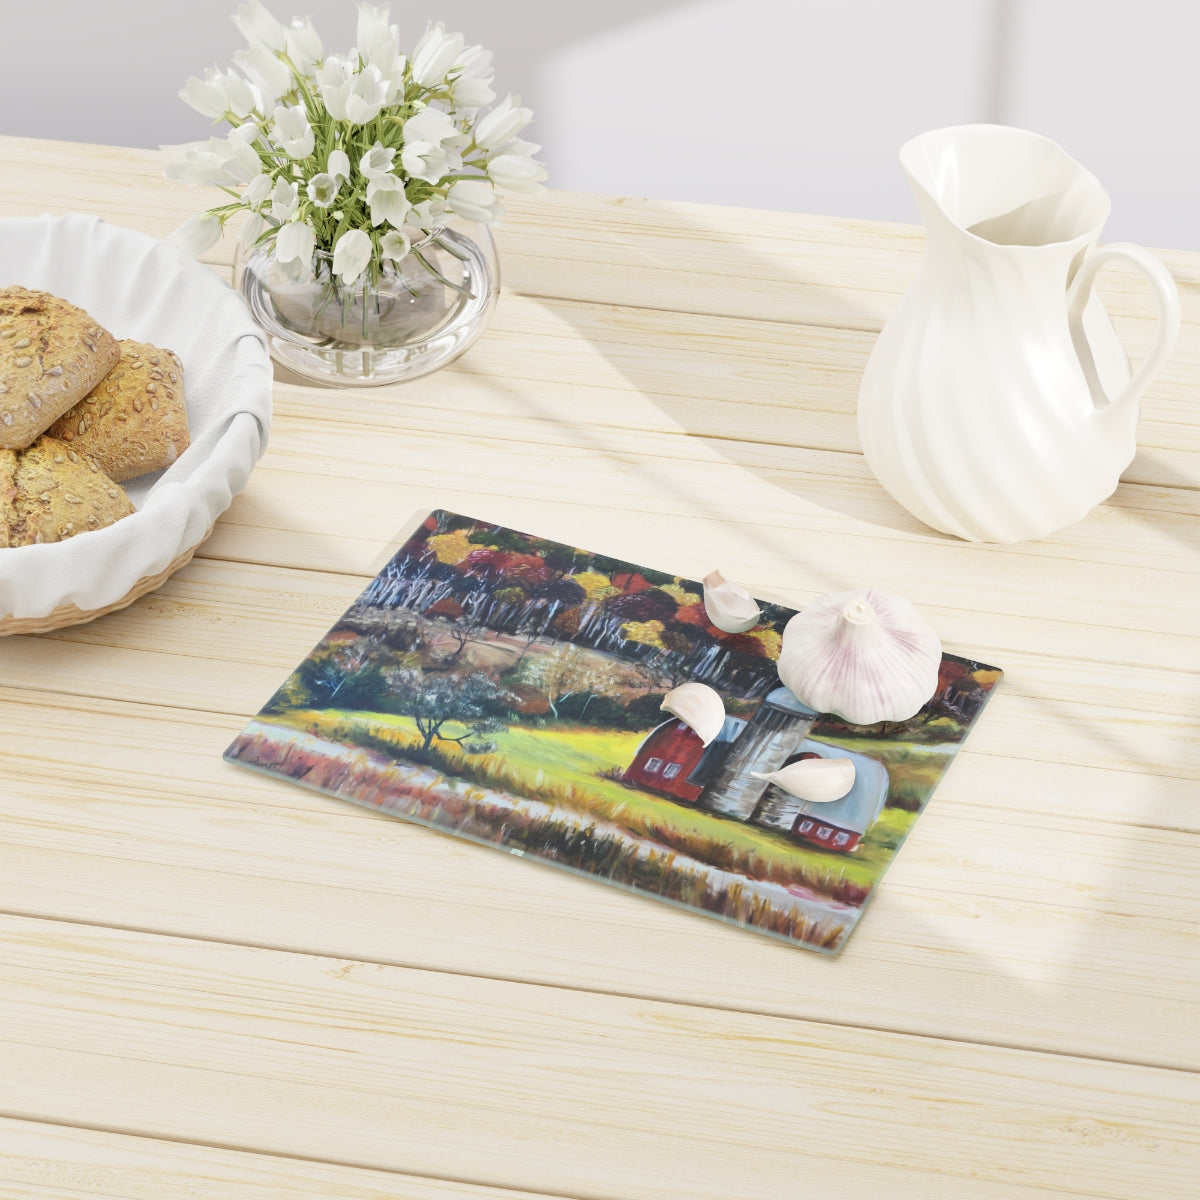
x=138 y=288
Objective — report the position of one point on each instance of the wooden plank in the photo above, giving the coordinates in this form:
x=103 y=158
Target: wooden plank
x=393 y=1069
x=766 y=428
x=722 y=376
x=60 y=1162
x=1042 y=901
x=753 y=385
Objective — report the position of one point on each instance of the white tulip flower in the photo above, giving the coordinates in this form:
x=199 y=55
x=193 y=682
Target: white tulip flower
x=429 y=214
x=395 y=244
x=502 y=124
x=197 y=162
x=424 y=160
x=304 y=46
x=474 y=199
x=338 y=165
x=259 y=190
x=259 y=27
x=195 y=235
x=240 y=98
x=322 y=189
x=268 y=73
x=351 y=254
x=292 y=132
x=247 y=134
x=284 y=199
x=390 y=64
x=431 y=125
x=373 y=31
x=367 y=96
x=435 y=54
x=295 y=241
x=471 y=88
x=516 y=173
x=377 y=161
x=216 y=160
x=387 y=201
x=334 y=79
x=204 y=97
x=252 y=228
x=241 y=158
x=525 y=149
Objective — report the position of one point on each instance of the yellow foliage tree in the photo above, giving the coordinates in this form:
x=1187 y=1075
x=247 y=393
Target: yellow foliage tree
x=680 y=595
x=595 y=585
x=770 y=640
x=649 y=633
x=453 y=547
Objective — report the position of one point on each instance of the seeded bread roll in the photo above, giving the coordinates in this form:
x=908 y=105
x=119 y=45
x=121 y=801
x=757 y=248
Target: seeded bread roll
x=51 y=355
x=8 y=496
x=135 y=419
x=49 y=492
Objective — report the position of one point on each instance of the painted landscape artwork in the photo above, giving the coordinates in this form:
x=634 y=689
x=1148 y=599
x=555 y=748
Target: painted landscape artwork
x=507 y=689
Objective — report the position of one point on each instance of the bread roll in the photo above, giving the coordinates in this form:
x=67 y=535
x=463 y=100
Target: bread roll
x=51 y=355
x=50 y=492
x=135 y=419
x=8 y=496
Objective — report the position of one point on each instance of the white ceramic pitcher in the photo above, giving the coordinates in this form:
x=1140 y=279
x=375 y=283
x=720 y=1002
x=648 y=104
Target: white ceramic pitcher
x=998 y=404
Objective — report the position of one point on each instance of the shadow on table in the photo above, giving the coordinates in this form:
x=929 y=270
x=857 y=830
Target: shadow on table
x=1181 y=521
x=1085 y=899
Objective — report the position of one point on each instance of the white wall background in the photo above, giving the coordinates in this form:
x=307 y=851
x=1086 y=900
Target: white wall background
x=789 y=104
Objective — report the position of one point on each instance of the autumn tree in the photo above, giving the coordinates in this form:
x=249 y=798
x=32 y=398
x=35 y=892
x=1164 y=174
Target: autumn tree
x=475 y=701
x=345 y=669
x=569 y=670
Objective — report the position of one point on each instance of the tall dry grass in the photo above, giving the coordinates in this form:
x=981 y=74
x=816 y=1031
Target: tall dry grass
x=792 y=868
x=369 y=778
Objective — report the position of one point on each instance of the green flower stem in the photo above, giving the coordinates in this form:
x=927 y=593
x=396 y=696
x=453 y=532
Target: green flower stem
x=461 y=289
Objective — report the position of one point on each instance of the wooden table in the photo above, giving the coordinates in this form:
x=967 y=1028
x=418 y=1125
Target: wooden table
x=215 y=984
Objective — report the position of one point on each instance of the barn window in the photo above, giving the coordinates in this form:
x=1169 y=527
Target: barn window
x=671 y=770
x=653 y=765
x=841 y=839
x=824 y=832
x=805 y=826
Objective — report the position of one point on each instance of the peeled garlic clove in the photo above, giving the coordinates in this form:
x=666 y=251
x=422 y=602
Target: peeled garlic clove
x=729 y=606
x=866 y=656
x=698 y=707
x=817 y=780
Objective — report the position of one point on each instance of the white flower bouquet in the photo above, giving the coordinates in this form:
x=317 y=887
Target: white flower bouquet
x=356 y=160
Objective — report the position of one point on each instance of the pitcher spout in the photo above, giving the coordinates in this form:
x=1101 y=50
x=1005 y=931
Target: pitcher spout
x=1005 y=187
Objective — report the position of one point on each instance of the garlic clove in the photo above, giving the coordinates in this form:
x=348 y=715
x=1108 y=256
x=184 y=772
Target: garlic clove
x=817 y=780
x=699 y=707
x=729 y=606
x=866 y=656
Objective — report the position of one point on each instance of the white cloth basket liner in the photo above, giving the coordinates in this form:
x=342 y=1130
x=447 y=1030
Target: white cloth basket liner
x=138 y=288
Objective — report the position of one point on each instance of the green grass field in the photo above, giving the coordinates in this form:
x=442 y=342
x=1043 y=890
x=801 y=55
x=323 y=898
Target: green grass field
x=568 y=766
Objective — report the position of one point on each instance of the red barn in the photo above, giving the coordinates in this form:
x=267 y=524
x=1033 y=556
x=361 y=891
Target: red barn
x=665 y=759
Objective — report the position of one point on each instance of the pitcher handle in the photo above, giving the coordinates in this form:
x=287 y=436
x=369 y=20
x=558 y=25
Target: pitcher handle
x=1165 y=292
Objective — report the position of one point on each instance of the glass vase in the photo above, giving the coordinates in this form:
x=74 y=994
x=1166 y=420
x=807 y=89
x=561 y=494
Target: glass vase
x=414 y=317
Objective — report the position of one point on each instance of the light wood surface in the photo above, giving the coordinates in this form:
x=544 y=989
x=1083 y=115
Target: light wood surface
x=214 y=984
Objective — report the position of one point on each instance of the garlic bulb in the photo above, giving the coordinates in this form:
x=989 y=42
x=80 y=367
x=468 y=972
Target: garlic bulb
x=865 y=656
x=729 y=606
x=699 y=707
x=817 y=780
